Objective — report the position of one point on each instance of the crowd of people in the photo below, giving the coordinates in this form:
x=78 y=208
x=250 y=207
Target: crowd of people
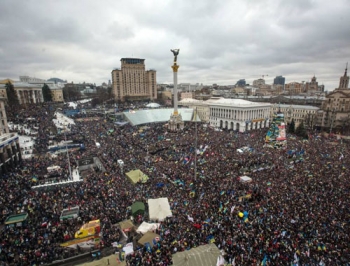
x=295 y=210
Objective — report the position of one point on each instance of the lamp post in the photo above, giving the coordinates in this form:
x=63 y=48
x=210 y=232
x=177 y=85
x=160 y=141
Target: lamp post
x=195 y=146
x=65 y=139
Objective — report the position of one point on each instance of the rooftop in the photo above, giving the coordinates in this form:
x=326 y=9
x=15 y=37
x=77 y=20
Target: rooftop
x=139 y=117
x=295 y=106
x=236 y=102
x=133 y=60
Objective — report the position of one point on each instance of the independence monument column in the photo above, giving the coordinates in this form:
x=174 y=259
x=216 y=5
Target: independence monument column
x=175 y=122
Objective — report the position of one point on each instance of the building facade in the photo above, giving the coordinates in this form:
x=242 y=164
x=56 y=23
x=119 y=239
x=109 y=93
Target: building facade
x=298 y=113
x=258 y=82
x=26 y=93
x=201 y=106
x=57 y=95
x=279 y=80
x=184 y=95
x=335 y=114
x=294 y=88
x=10 y=151
x=239 y=115
x=133 y=81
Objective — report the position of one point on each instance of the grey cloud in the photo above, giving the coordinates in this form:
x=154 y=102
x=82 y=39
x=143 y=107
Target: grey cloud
x=220 y=41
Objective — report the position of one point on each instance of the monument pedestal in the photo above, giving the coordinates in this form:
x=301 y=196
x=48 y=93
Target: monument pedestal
x=176 y=123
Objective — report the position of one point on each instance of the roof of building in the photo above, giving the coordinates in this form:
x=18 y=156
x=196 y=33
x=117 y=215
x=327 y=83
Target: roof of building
x=4 y=81
x=133 y=60
x=139 y=117
x=296 y=106
x=189 y=100
x=237 y=102
x=18 y=84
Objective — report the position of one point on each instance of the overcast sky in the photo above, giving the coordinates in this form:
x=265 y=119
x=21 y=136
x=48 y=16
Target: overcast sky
x=220 y=41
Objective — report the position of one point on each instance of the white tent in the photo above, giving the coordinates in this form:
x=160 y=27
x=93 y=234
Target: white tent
x=153 y=105
x=128 y=249
x=159 y=209
x=146 y=227
x=53 y=168
x=245 y=179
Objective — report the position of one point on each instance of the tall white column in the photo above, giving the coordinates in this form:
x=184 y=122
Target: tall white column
x=175 y=68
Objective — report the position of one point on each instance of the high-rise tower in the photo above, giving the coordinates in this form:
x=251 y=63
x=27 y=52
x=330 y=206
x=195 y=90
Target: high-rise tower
x=133 y=81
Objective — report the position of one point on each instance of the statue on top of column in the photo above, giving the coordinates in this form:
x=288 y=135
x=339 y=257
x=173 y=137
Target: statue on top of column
x=176 y=53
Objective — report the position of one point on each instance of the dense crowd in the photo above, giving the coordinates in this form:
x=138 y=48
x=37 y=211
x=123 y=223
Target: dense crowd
x=296 y=209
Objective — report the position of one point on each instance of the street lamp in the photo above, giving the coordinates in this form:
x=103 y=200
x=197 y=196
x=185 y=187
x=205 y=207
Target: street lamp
x=195 y=148
x=65 y=139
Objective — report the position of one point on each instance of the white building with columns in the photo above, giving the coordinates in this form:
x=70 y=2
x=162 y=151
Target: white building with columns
x=27 y=93
x=237 y=114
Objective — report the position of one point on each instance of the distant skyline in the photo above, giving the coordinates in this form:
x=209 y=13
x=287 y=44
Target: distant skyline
x=220 y=41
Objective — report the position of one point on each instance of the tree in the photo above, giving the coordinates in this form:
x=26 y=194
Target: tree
x=310 y=121
x=291 y=127
x=47 y=94
x=301 y=131
x=12 y=97
x=71 y=93
x=94 y=102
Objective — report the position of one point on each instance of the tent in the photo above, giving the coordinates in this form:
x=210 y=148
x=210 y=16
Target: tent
x=153 y=105
x=205 y=255
x=53 y=168
x=126 y=225
x=137 y=208
x=146 y=227
x=136 y=176
x=148 y=238
x=17 y=219
x=245 y=179
x=159 y=209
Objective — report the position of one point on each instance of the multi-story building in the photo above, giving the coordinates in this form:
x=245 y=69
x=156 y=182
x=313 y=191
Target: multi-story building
x=10 y=152
x=258 y=82
x=241 y=83
x=312 y=86
x=27 y=93
x=4 y=129
x=133 y=81
x=335 y=114
x=184 y=95
x=298 y=113
x=57 y=95
x=265 y=89
x=294 y=88
x=240 y=115
x=55 y=87
x=279 y=80
x=201 y=106
x=28 y=79
x=166 y=97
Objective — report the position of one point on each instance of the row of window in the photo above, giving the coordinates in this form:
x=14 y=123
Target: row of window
x=239 y=114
